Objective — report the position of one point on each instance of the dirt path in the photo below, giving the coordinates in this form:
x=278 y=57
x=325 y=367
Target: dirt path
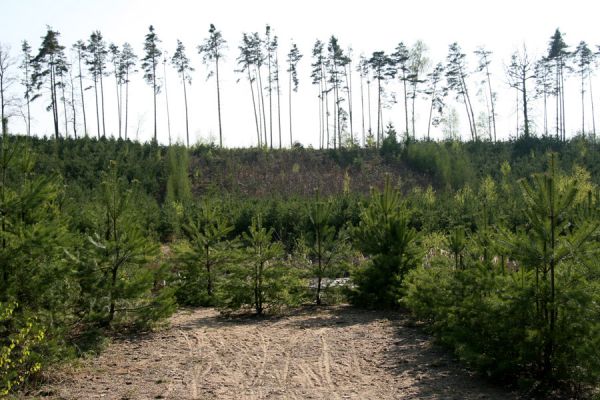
x=334 y=353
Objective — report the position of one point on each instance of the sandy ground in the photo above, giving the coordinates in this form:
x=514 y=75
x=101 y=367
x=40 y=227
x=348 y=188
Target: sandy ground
x=329 y=353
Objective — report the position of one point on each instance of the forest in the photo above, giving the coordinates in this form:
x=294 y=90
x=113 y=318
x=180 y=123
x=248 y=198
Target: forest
x=490 y=245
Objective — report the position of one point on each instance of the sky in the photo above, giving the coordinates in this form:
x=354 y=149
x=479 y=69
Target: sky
x=502 y=27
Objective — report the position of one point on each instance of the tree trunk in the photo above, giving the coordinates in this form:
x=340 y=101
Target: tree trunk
x=362 y=109
x=290 y=107
x=73 y=110
x=154 y=98
x=264 y=114
x=85 y=131
x=582 y=102
x=118 y=102
x=431 y=111
x=369 y=106
x=379 y=110
x=187 y=125
x=219 y=102
x=102 y=97
x=126 y=100
x=525 y=113
x=592 y=105
x=167 y=102
x=270 y=81
x=97 y=106
x=277 y=88
x=487 y=71
x=405 y=105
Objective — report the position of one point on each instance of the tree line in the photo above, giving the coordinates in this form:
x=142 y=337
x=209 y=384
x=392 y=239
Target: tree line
x=62 y=79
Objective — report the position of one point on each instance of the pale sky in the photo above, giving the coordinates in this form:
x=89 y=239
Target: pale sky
x=369 y=26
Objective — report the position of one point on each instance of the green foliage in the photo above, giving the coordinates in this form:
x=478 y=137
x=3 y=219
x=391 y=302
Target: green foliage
x=114 y=270
x=384 y=235
x=328 y=250
x=17 y=360
x=547 y=307
x=263 y=278
x=205 y=256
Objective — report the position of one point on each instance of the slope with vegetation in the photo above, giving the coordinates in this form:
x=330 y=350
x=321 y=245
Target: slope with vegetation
x=492 y=245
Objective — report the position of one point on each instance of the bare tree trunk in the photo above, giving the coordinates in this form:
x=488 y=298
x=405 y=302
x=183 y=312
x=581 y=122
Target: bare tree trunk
x=487 y=71
x=64 y=101
x=85 y=131
x=348 y=73
x=277 y=88
x=167 y=101
x=187 y=124
x=290 y=107
x=525 y=112
x=219 y=102
x=369 y=106
x=73 y=110
x=582 y=101
x=102 y=97
x=379 y=110
x=405 y=105
x=473 y=126
x=126 y=100
x=97 y=109
x=362 y=109
x=592 y=105
x=270 y=101
x=431 y=111
x=264 y=114
x=154 y=99
x=118 y=102
x=250 y=80
x=562 y=105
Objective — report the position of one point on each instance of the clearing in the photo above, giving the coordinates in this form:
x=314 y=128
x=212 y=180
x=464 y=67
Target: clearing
x=327 y=353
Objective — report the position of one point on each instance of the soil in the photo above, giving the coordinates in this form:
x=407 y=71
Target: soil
x=326 y=353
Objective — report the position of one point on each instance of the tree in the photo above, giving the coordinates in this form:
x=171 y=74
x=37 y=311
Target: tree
x=149 y=65
x=558 y=54
x=96 y=61
x=400 y=58
x=418 y=63
x=456 y=74
x=270 y=47
x=207 y=252
x=261 y=278
x=327 y=249
x=520 y=70
x=484 y=66
x=115 y=59
x=47 y=65
x=27 y=81
x=384 y=234
x=543 y=71
x=167 y=96
x=212 y=51
x=363 y=71
x=182 y=65
x=127 y=65
x=318 y=76
x=247 y=61
x=81 y=50
x=6 y=81
x=116 y=268
x=336 y=60
x=437 y=95
x=583 y=59
x=382 y=68
x=293 y=58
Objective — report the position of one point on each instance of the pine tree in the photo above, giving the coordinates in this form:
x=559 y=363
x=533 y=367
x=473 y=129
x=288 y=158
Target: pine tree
x=318 y=76
x=47 y=66
x=384 y=234
x=149 y=65
x=520 y=70
x=558 y=55
x=81 y=50
x=456 y=75
x=382 y=68
x=437 y=93
x=96 y=61
x=484 y=66
x=583 y=60
x=127 y=65
x=293 y=58
x=27 y=81
x=212 y=51
x=418 y=63
x=207 y=253
x=247 y=61
x=115 y=59
x=182 y=64
x=400 y=58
